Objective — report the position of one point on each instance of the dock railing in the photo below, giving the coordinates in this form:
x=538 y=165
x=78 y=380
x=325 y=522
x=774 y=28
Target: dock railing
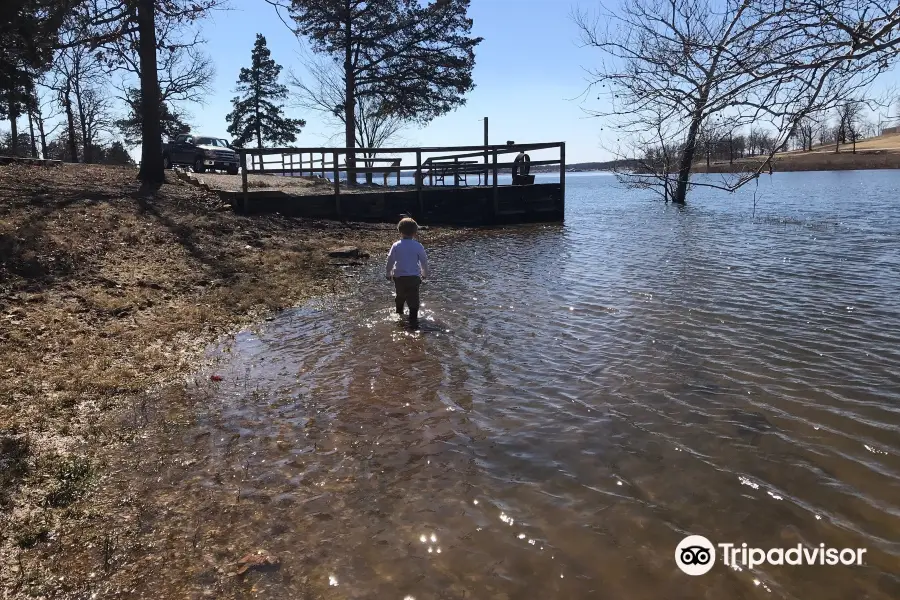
x=433 y=163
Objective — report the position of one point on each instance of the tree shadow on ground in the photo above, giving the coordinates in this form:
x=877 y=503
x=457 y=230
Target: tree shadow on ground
x=188 y=236
x=30 y=258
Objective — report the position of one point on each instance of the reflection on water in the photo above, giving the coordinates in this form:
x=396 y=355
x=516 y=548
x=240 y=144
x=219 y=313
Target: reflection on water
x=578 y=398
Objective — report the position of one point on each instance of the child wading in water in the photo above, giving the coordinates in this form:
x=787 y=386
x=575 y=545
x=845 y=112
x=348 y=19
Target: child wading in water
x=407 y=265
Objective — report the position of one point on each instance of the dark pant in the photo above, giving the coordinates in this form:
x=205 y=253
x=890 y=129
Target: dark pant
x=408 y=292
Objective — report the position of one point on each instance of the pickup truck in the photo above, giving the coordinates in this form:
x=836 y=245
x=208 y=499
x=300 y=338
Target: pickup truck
x=202 y=153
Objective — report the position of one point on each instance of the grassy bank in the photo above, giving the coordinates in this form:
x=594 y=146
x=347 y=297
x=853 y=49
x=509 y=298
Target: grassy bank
x=882 y=152
x=106 y=295
x=813 y=161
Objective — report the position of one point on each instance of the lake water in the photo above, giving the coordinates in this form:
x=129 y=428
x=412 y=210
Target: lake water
x=579 y=398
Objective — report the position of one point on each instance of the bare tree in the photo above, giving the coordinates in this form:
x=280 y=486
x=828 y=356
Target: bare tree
x=95 y=113
x=847 y=124
x=850 y=123
x=66 y=68
x=324 y=91
x=106 y=22
x=75 y=70
x=806 y=131
x=185 y=73
x=684 y=62
x=827 y=134
x=44 y=114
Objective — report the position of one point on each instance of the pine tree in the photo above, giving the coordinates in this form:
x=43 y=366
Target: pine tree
x=171 y=122
x=255 y=114
x=116 y=154
x=409 y=59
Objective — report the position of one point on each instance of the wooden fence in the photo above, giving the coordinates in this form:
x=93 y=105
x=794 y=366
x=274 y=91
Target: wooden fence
x=435 y=163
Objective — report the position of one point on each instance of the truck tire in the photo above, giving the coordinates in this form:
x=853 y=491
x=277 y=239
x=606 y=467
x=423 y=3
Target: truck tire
x=233 y=171
x=199 y=167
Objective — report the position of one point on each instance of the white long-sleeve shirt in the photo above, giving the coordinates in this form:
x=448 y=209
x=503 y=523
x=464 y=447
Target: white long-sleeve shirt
x=407 y=257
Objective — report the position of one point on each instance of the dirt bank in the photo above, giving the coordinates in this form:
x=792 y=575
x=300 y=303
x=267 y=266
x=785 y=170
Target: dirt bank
x=106 y=295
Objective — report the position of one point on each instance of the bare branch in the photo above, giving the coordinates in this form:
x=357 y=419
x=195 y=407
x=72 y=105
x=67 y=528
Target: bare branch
x=676 y=71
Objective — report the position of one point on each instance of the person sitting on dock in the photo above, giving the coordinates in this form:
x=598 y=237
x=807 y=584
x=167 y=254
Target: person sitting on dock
x=407 y=265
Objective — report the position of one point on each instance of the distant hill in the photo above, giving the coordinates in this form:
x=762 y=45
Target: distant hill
x=609 y=165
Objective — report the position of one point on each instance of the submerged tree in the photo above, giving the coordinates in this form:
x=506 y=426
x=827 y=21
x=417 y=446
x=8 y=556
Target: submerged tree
x=256 y=114
x=405 y=58
x=676 y=65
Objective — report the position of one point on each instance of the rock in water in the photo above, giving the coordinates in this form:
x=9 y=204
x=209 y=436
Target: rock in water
x=344 y=252
x=259 y=560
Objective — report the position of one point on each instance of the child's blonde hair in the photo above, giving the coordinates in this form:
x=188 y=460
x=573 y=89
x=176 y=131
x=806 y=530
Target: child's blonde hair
x=407 y=227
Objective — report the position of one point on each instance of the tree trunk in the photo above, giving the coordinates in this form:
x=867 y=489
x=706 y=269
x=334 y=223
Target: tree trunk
x=85 y=139
x=70 y=124
x=730 y=149
x=259 y=144
x=40 y=123
x=256 y=94
x=13 y=126
x=349 y=99
x=687 y=154
x=31 y=132
x=152 y=172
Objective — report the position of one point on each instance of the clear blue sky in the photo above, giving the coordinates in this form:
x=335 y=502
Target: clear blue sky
x=527 y=68
x=529 y=75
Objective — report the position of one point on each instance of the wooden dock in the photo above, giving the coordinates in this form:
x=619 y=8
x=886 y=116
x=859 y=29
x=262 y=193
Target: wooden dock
x=445 y=189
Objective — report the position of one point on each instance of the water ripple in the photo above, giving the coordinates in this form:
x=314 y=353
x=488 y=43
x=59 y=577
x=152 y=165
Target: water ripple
x=580 y=397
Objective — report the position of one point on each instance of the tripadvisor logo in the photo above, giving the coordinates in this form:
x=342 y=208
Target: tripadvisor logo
x=696 y=555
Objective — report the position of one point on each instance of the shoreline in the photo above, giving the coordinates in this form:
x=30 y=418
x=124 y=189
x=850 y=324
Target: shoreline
x=108 y=300
x=811 y=161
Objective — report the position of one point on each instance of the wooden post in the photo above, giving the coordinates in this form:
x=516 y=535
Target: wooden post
x=456 y=172
x=323 y=165
x=562 y=171
x=496 y=189
x=337 y=185
x=244 y=176
x=398 y=172
x=485 y=152
x=419 y=183
x=495 y=166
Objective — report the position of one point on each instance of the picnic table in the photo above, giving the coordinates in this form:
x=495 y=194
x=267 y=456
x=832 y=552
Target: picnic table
x=393 y=166
x=459 y=169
